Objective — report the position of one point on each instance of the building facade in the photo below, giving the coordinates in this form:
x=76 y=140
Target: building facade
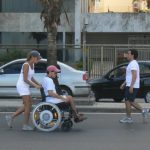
x=95 y=21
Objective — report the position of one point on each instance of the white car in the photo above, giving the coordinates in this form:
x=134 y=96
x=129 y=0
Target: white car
x=72 y=81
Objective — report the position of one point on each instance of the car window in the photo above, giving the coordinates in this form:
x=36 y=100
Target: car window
x=40 y=67
x=118 y=72
x=63 y=69
x=13 y=68
x=144 y=69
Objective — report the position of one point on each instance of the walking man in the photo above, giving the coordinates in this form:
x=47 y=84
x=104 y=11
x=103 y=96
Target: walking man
x=131 y=85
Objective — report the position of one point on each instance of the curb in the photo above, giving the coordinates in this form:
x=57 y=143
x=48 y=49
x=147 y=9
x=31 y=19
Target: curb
x=84 y=109
x=82 y=106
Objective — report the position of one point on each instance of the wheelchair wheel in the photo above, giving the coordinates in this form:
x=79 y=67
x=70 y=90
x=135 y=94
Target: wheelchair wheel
x=66 y=125
x=46 y=117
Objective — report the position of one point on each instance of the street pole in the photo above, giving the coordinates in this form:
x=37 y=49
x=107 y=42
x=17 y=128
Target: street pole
x=84 y=43
x=84 y=48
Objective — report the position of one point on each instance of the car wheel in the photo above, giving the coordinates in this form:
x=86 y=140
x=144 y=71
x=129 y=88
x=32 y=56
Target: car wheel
x=96 y=99
x=147 y=97
x=66 y=90
x=118 y=99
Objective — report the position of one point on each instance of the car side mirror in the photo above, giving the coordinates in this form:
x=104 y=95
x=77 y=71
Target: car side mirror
x=1 y=71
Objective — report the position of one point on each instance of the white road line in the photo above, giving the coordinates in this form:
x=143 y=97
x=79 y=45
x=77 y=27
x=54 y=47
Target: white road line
x=106 y=113
x=88 y=113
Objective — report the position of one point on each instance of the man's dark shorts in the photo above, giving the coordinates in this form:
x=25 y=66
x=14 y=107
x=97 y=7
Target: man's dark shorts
x=130 y=96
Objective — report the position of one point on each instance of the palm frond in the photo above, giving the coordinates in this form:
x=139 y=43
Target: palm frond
x=51 y=12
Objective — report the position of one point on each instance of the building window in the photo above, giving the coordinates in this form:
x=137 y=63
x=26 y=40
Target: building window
x=20 y=6
x=97 y=6
x=30 y=6
x=141 y=39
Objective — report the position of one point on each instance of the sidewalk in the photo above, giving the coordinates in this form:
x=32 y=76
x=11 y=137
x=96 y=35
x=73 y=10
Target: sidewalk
x=83 y=105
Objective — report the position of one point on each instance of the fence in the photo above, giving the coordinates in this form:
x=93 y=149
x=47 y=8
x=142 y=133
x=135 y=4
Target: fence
x=95 y=59
x=98 y=59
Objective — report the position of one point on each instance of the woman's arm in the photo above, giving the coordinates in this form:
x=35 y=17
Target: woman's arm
x=36 y=82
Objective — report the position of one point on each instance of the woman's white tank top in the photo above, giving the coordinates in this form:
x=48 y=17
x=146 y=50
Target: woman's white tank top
x=30 y=75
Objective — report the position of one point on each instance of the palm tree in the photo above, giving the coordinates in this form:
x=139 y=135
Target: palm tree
x=51 y=16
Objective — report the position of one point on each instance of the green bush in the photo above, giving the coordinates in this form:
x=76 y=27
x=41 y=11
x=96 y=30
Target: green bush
x=79 y=65
x=12 y=55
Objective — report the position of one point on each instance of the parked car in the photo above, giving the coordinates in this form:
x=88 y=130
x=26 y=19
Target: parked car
x=108 y=86
x=72 y=81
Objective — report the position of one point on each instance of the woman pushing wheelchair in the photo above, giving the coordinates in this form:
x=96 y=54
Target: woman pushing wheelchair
x=61 y=101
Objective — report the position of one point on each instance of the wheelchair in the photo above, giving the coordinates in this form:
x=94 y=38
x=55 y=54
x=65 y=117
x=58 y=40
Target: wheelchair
x=48 y=117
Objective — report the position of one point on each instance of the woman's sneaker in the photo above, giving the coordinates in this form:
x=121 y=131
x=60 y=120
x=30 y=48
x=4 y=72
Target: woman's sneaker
x=126 y=120
x=9 y=120
x=27 y=128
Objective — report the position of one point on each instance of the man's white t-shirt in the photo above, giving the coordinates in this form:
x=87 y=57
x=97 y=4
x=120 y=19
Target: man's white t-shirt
x=49 y=85
x=133 y=65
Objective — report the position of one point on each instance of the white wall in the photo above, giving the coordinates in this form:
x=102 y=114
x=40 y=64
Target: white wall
x=105 y=22
x=118 y=22
x=31 y=22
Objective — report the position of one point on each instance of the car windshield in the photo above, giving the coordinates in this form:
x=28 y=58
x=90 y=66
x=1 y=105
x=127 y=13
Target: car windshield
x=118 y=72
x=13 y=68
x=144 y=69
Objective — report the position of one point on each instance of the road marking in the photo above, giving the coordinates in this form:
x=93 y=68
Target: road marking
x=105 y=113
x=87 y=113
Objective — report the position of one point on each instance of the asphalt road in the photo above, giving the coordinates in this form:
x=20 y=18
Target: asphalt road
x=99 y=132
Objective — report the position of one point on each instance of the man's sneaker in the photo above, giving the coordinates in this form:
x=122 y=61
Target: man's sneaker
x=27 y=128
x=77 y=120
x=9 y=120
x=126 y=120
x=145 y=112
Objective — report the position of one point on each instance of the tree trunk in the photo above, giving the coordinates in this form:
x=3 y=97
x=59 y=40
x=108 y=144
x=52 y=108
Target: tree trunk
x=52 y=50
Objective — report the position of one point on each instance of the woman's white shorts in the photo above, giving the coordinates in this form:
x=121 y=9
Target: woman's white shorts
x=23 y=90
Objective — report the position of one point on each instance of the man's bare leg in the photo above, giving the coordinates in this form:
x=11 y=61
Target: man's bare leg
x=128 y=108
x=137 y=106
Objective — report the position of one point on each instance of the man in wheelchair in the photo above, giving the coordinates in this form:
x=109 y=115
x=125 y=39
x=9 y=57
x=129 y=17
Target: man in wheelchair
x=62 y=101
